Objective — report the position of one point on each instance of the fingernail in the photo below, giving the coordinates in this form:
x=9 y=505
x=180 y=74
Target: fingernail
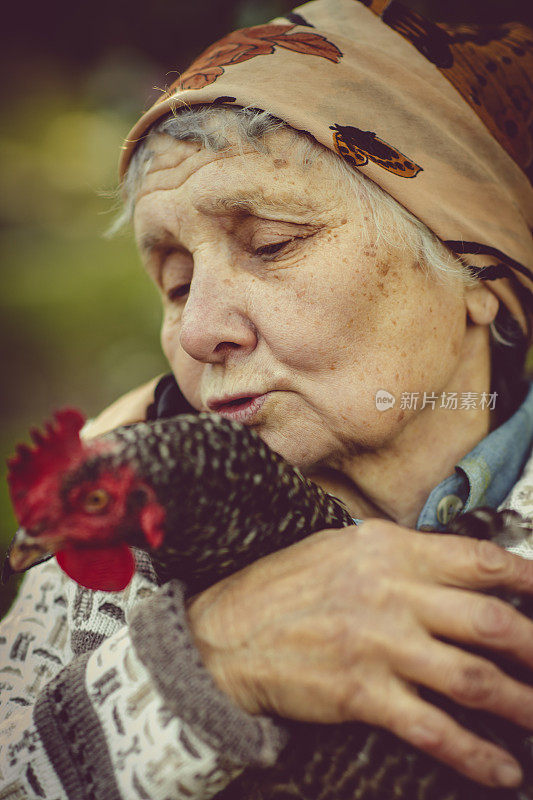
x=507 y=773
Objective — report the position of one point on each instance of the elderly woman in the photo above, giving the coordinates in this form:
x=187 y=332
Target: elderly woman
x=336 y=211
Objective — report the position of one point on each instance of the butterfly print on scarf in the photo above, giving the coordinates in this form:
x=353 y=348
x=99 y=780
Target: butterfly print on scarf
x=358 y=147
x=247 y=43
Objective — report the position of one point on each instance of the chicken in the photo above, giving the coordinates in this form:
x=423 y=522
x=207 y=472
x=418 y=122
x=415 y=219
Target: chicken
x=205 y=496
x=186 y=489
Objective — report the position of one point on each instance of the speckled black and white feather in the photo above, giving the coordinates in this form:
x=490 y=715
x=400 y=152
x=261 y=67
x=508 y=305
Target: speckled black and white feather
x=230 y=500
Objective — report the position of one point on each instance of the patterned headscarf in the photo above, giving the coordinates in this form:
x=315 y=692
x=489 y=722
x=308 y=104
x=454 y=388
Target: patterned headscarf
x=440 y=116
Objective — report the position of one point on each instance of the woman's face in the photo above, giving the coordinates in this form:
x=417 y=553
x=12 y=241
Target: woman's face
x=270 y=291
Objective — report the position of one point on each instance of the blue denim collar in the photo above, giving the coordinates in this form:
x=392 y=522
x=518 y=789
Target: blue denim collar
x=486 y=475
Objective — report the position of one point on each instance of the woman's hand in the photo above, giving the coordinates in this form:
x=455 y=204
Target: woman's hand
x=345 y=624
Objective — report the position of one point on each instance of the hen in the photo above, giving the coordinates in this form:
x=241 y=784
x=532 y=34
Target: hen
x=205 y=496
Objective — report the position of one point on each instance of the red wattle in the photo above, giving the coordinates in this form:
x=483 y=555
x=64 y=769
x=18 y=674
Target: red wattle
x=109 y=569
x=152 y=518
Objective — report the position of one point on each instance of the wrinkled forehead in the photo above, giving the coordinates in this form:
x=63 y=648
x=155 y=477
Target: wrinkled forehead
x=181 y=159
x=237 y=174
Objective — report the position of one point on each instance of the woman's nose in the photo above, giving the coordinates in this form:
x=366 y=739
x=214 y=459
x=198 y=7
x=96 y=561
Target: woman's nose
x=215 y=322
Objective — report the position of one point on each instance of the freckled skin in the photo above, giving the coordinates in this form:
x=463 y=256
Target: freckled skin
x=315 y=324
x=383 y=268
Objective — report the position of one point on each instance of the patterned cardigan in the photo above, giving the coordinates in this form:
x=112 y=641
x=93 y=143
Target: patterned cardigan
x=104 y=697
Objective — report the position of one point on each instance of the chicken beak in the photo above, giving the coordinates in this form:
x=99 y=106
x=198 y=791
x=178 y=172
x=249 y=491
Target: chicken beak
x=25 y=551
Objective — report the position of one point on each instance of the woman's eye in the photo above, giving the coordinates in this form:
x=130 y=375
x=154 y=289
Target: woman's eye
x=178 y=292
x=271 y=249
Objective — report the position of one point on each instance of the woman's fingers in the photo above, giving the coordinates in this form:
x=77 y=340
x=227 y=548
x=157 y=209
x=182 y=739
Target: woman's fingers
x=477 y=619
x=467 y=679
x=472 y=563
x=433 y=731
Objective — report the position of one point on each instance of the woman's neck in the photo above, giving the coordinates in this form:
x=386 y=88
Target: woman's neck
x=395 y=481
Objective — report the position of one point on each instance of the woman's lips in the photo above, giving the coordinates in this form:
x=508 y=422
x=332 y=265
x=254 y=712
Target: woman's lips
x=241 y=409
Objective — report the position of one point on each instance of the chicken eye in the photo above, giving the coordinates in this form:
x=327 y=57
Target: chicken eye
x=95 y=501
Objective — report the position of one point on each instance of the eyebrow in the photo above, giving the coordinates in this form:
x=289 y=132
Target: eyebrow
x=243 y=202
x=248 y=202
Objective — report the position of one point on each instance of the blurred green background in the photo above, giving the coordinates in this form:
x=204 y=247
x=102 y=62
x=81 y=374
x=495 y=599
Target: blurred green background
x=79 y=319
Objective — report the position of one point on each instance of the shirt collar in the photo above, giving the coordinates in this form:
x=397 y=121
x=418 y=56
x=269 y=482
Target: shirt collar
x=486 y=475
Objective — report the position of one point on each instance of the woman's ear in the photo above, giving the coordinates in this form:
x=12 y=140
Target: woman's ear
x=481 y=304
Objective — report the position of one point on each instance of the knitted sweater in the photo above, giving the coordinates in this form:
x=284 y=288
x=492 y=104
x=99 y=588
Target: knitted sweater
x=104 y=697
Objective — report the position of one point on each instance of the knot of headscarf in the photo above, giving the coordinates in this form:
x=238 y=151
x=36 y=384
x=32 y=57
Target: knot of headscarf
x=439 y=116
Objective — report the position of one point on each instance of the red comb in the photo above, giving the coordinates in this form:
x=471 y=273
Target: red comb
x=56 y=450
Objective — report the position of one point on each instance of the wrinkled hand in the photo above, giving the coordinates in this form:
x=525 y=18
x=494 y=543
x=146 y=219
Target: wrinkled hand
x=345 y=624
